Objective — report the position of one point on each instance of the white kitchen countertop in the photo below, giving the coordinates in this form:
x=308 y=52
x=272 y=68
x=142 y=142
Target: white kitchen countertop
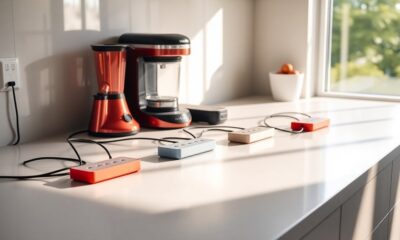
x=256 y=191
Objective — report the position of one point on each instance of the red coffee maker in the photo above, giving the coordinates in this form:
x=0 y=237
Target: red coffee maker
x=152 y=78
x=110 y=114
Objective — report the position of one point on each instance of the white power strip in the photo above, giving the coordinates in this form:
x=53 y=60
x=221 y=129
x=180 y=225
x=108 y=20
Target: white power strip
x=250 y=135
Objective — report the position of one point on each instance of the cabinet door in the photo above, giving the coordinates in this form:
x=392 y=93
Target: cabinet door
x=395 y=193
x=327 y=229
x=394 y=217
x=381 y=232
x=394 y=224
x=365 y=209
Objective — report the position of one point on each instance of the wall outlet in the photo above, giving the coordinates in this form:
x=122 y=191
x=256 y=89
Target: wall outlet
x=9 y=72
x=104 y=170
x=186 y=148
x=250 y=135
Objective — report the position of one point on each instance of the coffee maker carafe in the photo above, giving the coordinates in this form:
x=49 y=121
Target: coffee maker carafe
x=110 y=114
x=152 y=78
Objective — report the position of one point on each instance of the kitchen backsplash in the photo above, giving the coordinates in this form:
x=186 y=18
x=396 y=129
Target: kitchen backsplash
x=52 y=38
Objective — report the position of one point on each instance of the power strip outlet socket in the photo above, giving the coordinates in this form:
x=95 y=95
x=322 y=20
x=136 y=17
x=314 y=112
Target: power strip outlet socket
x=104 y=170
x=250 y=135
x=186 y=148
x=9 y=72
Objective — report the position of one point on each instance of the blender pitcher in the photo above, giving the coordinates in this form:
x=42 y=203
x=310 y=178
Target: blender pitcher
x=110 y=114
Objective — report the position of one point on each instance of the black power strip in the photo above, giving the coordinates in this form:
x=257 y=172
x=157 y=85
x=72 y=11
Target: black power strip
x=210 y=114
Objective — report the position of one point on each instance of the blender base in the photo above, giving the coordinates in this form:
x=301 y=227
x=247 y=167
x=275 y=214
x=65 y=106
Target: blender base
x=112 y=135
x=165 y=120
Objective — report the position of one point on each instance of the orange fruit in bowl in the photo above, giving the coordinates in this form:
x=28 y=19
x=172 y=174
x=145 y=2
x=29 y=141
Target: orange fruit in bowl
x=287 y=68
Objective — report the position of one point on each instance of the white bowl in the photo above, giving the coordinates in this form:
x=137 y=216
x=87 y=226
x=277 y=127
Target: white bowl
x=286 y=87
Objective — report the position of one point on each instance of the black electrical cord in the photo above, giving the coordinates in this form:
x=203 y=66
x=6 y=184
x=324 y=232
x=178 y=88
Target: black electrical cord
x=92 y=141
x=176 y=138
x=54 y=173
x=188 y=132
x=12 y=85
x=215 y=127
x=162 y=142
x=213 y=130
x=72 y=145
x=135 y=138
x=209 y=129
x=291 y=113
x=70 y=139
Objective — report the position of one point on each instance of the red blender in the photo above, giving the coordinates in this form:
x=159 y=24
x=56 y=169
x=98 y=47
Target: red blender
x=152 y=78
x=110 y=114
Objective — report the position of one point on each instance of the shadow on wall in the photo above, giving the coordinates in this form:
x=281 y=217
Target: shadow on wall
x=220 y=64
x=60 y=99
x=57 y=64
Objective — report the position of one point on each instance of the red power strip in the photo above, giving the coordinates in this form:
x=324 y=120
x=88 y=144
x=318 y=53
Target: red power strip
x=104 y=170
x=310 y=124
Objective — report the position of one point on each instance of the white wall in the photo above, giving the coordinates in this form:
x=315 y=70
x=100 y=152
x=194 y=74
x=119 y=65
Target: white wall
x=51 y=38
x=281 y=36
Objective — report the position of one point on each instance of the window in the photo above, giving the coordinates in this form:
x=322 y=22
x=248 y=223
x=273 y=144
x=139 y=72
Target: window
x=364 y=47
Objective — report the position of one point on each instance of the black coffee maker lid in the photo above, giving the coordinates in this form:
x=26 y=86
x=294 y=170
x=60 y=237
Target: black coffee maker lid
x=153 y=39
x=108 y=47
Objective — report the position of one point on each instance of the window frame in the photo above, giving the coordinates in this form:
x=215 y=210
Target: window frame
x=324 y=56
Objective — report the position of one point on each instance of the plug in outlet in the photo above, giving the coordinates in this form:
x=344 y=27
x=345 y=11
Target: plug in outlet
x=250 y=135
x=9 y=72
x=104 y=170
x=186 y=148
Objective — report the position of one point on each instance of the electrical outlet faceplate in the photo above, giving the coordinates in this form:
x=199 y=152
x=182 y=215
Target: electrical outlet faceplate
x=9 y=72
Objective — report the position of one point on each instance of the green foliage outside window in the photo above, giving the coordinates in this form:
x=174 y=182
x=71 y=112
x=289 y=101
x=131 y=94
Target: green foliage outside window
x=373 y=43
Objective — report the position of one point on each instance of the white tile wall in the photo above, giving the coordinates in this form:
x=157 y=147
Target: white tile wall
x=6 y=50
x=51 y=38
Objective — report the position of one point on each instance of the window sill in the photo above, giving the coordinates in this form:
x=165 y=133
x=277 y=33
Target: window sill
x=360 y=96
